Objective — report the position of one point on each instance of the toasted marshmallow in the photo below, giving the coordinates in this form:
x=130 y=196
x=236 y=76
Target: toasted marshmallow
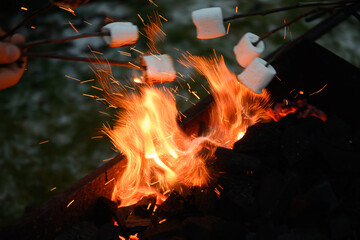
x=121 y=34
x=159 y=69
x=209 y=23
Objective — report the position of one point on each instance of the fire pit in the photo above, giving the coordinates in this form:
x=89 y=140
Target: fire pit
x=295 y=178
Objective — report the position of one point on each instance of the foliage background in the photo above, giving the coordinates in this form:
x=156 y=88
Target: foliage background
x=47 y=105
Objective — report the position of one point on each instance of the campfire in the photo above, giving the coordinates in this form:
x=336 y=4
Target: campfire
x=160 y=156
x=240 y=166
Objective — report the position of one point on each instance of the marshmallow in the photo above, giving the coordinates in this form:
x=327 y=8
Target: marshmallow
x=121 y=34
x=245 y=51
x=159 y=69
x=209 y=23
x=69 y=3
x=257 y=76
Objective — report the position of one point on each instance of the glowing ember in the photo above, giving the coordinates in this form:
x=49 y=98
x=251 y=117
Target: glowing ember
x=161 y=157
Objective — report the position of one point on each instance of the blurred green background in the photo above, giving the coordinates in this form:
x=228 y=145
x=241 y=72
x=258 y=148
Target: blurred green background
x=47 y=105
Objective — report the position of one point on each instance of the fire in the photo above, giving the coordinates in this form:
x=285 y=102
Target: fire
x=160 y=156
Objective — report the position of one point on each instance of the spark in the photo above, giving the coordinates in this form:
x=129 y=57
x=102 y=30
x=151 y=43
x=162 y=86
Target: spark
x=104 y=112
x=152 y=2
x=154 y=183
x=182 y=114
x=109 y=181
x=96 y=137
x=228 y=28
x=148 y=207
x=167 y=191
x=73 y=78
x=141 y=19
x=194 y=104
x=89 y=80
x=163 y=18
x=93 y=51
x=194 y=93
x=318 y=90
x=52 y=189
x=125 y=53
x=156 y=57
x=73 y=26
x=108 y=159
x=131 y=88
x=118 y=94
x=46 y=141
x=70 y=203
x=161 y=221
x=236 y=9
x=97 y=88
x=188 y=86
x=278 y=78
x=205 y=89
x=68 y=9
x=24 y=8
x=284 y=29
x=145 y=35
x=134 y=49
x=88 y=23
x=134 y=65
x=33 y=27
x=88 y=95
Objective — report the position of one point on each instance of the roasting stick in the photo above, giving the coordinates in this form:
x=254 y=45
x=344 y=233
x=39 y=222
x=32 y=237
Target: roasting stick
x=84 y=59
x=296 y=6
x=288 y=24
x=115 y=34
x=61 y=40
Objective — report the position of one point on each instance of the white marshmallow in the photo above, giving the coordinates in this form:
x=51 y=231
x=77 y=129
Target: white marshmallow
x=121 y=34
x=257 y=76
x=209 y=23
x=159 y=69
x=245 y=51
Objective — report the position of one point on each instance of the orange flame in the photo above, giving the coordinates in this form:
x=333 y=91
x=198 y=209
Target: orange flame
x=161 y=157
